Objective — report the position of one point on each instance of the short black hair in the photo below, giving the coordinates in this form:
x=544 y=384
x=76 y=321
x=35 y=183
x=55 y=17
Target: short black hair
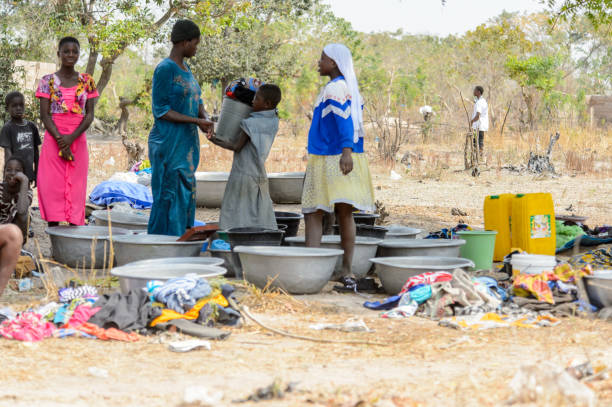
x=184 y=30
x=12 y=95
x=271 y=94
x=68 y=40
x=480 y=89
x=15 y=158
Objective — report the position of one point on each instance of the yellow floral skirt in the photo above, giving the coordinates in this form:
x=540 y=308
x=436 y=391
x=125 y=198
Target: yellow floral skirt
x=325 y=185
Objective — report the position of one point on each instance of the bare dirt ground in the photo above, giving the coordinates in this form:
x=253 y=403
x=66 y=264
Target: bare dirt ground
x=422 y=364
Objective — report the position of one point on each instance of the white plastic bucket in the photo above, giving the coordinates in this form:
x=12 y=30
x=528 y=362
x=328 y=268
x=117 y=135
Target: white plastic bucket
x=232 y=113
x=532 y=263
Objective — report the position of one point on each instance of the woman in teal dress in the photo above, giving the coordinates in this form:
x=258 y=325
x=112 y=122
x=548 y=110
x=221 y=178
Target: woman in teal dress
x=174 y=144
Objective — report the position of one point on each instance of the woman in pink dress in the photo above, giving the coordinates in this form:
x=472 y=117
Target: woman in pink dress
x=67 y=110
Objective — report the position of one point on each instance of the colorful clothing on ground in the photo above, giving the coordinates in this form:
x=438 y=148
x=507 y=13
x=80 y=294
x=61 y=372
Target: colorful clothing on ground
x=598 y=259
x=62 y=184
x=22 y=140
x=8 y=204
x=174 y=150
x=246 y=201
x=28 y=326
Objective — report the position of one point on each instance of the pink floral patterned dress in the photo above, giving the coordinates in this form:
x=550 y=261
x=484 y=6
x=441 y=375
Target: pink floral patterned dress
x=62 y=185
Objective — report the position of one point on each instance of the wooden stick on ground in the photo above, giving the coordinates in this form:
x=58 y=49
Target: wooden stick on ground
x=246 y=312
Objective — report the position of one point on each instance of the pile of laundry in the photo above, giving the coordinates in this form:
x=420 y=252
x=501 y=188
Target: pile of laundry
x=190 y=304
x=571 y=232
x=459 y=300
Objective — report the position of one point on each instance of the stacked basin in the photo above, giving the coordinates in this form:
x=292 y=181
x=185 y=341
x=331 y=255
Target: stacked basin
x=131 y=248
x=137 y=221
x=83 y=246
x=365 y=249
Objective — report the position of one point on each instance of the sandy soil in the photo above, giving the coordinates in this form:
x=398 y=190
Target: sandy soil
x=423 y=364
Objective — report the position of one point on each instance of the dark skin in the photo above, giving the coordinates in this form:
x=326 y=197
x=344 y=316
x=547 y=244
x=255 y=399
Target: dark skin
x=259 y=105
x=180 y=51
x=344 y=212
x=17 y=184
x=16 y=109
x=477 y=94
x=69 y=77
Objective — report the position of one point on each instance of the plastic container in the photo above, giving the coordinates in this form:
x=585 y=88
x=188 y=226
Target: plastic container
x=497 y=216
x=253 y=236
x=533 y=223
x=365 y=218
x=291 y=220
x=232 y=113
x=479 y=247
x=532 y=263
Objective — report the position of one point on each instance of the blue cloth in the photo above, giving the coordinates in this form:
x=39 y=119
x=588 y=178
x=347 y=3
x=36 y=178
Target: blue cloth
x=174 y=150
x=180 y=294
x=332 y=128
x=108 y=192
x=420 y=293
x=493 y=287
x=386 y=304
x=220 y=244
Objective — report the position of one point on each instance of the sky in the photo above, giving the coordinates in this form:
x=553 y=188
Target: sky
x=425 y=16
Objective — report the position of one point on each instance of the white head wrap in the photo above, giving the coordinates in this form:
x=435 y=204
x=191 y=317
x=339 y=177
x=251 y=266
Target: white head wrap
x=343 y=58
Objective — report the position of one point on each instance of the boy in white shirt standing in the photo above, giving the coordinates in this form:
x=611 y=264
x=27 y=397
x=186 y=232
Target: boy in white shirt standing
x=480 y=118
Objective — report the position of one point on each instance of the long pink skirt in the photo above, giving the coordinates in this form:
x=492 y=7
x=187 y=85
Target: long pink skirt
x=62 y=185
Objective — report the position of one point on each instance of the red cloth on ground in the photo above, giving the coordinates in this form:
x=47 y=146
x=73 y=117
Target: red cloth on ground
x=426 y=278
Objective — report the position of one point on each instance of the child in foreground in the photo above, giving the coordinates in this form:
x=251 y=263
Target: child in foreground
x=247 y=202
x=20 y=137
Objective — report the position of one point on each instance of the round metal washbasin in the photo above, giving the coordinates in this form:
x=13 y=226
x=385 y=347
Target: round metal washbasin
x=599 y=288
x=210 y=188
x=394 y=271
x=286 y=187
x=420 y=247
x=129 y=249
x=297 y=270
x=135 y=277
x=171 y=261
x=365 y=249
x=401 y=232
x=231 y=261
x=126 y=220
x=74 y=246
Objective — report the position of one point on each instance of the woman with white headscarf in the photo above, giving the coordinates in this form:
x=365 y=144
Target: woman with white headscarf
x=337 y=178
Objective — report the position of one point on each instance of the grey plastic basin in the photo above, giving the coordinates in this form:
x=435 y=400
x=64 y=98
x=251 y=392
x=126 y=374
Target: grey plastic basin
x=365 y=249
x=125 y=220
x=599 y=288
x=401 y=232
x=231 y=261
x=210 y=188
x=129 y=249
x=72 y=245
x=394 y=271
x=420 y=247
x=286 y=187
x=136 y=277
x=297 y=270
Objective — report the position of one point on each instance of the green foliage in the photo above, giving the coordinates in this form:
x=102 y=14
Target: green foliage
x=538 y=72
x=598 y=12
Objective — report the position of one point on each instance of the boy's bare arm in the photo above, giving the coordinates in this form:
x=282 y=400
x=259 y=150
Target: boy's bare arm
x=237 y=146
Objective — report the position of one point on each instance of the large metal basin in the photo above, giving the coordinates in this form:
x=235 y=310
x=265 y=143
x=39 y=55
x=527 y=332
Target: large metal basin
x=420 y=247
x=72 y=245
x=210 y=188
x=297 y=270
x=126 y=220
x=394 y=271
x=365 y=249
x=286 y=187
x=401 y=232
x=136 y=277
x=171 y=261
x=129 y=249
x=231 y=261
x=599 y=288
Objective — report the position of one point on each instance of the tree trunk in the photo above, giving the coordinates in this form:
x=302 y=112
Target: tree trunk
x=107 y=71
x=91 y=61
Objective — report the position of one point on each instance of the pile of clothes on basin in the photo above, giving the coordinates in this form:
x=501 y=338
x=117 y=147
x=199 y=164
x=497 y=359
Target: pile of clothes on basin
x=191 y=305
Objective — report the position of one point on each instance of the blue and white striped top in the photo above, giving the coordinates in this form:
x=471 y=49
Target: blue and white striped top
x=332 y=128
